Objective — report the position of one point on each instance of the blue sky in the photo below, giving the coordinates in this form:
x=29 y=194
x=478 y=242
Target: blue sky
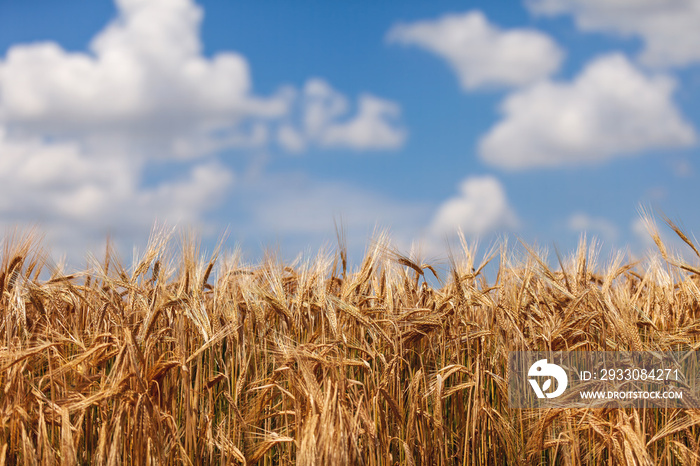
x=540 y=120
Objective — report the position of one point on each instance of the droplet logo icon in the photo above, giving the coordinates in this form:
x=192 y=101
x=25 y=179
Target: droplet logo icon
x=543 y=369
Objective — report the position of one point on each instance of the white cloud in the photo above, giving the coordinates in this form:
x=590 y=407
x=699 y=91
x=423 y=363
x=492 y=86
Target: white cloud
x=79 y=131
x=582 y=222
x=60 y=186
x=611 y=109
x=480 y=207
x=324 y=121
x=144 y=84
x=146 y=87
x=481 y=53
x=669 y=28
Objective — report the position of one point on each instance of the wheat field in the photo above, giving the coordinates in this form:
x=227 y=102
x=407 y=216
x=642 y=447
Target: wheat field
x=190 y=359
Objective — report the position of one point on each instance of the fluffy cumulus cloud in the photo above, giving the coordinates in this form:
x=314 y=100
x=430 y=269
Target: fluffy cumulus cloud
x=611 y=109
x=144 y=83
x=78 y=130
x=480 y=207
x=482 y=54
x=83 y=197
x=582 y=222
x=324 y=121
x=669 y=28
